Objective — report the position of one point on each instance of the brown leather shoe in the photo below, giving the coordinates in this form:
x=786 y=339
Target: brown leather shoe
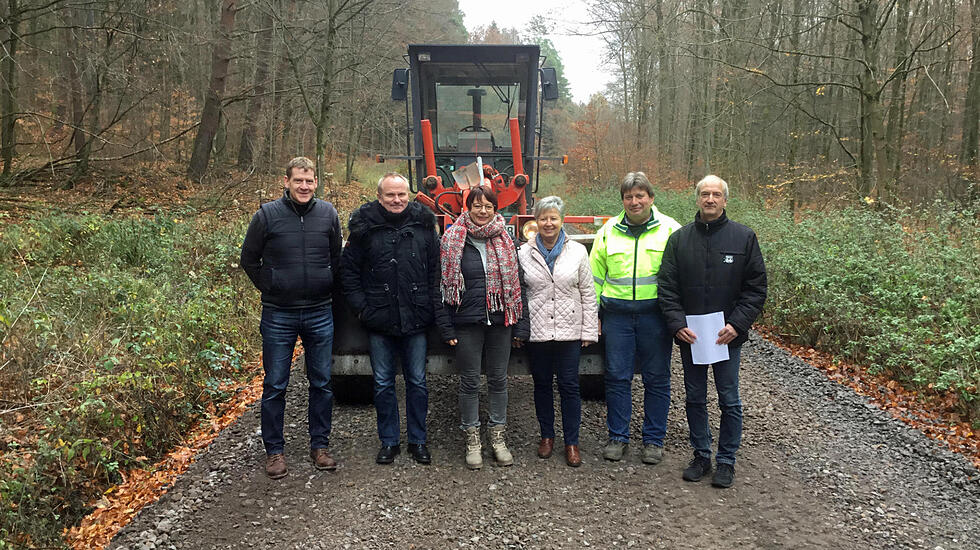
x=572 y=456
x=322 y=459
x=545 y=447
x=275 y=466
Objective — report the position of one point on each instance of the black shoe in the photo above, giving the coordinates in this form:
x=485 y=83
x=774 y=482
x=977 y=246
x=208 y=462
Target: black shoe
x=697 y=469
x=388 y=453
x=420 y=453
x=724 y=476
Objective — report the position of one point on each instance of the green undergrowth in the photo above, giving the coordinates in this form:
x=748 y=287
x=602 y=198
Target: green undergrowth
x=117 y=335
x=897 y=291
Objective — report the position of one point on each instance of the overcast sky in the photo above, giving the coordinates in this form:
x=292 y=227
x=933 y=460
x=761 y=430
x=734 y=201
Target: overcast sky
x=581 y=55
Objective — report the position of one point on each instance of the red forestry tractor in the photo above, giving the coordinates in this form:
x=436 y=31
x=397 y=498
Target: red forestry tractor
x=475 y=118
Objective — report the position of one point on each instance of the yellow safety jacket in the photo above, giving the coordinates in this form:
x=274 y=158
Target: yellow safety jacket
x=625 y=267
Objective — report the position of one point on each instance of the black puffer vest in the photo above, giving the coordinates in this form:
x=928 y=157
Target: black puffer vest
x=299 y=250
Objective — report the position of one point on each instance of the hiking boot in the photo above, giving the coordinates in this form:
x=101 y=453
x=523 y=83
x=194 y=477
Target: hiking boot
x=697 y=469
x=652 y=454
x=546 y=446
x=420 y=453
x=474 y=448
x=724 y=476
x=614 y=450
x=572 y=456
x=500 y=451
x=275 y=466
x=322 y=459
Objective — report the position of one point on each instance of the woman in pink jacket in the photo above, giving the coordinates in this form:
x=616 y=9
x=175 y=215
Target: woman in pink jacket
x=564 y=319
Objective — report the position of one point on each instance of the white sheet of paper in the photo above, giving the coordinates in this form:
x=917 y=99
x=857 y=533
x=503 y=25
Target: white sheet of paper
x=704 y=350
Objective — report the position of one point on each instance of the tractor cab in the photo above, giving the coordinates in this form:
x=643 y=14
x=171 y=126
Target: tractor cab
x=474 y=120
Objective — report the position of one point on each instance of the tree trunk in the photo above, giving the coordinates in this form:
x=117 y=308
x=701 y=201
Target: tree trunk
x=263 y=50
x=211 y=115
x=666 y=107
x=70 y=67
x=871 y=125
x=971 y=109
x=8 y=92
x=896 y=108
x=326 y=96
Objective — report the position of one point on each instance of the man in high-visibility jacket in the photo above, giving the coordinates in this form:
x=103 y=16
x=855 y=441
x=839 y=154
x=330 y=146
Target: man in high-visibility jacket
x=625 y=261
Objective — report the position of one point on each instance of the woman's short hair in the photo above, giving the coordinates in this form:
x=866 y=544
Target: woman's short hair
x=484 y=191
x=634 y=180
x=549 y=203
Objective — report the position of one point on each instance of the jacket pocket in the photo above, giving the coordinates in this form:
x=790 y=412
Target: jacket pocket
x=269 y=278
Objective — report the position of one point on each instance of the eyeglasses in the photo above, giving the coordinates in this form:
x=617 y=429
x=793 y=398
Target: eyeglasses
x=483 y=207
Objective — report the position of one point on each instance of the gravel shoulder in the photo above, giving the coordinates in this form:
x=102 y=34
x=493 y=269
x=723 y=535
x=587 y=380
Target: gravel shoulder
x=819 y=467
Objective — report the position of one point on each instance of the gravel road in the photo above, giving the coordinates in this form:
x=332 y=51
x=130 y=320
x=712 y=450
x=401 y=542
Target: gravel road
x=819 y=467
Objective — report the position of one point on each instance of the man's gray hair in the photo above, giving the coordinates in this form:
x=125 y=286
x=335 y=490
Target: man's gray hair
x=548 y=203
x=391 y=175
x=634 y=180
x=711 y=178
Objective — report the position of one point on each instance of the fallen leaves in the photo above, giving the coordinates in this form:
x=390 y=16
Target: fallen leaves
x=935 y=415
x=119 y=504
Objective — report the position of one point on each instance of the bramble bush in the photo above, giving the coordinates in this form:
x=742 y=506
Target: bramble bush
x=116 y=336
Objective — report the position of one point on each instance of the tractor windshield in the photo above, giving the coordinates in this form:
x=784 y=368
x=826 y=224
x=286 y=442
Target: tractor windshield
x=469 y=104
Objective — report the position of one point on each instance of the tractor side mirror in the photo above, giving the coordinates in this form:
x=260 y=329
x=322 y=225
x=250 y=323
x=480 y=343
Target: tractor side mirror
x=549 y=83
x=399 y=85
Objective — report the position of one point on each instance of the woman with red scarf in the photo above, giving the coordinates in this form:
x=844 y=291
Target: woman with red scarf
x=481 y=285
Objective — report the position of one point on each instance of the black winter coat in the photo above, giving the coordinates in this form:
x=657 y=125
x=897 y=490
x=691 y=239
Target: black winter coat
x=292 y=252
x=390 y=270
x=472 y=308
x=709 y=267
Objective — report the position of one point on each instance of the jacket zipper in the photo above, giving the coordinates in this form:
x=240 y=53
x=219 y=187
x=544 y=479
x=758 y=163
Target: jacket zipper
x=302 y=232
x=636 y=251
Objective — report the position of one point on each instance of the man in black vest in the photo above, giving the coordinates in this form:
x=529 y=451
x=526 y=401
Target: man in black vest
x=712 y=265
x=390 y=275
x=292 y=254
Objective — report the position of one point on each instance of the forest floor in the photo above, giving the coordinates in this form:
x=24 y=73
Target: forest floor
x=819 y=467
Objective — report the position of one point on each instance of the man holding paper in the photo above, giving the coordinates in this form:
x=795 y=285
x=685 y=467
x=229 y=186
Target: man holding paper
x=712 y=287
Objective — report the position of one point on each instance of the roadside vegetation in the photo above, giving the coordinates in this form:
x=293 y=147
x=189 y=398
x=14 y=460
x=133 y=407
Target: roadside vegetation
x=118 y=334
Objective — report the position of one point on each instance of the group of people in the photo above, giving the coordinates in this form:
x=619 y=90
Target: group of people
x=486 y=295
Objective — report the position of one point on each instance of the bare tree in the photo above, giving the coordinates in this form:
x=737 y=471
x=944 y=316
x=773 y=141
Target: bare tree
x=211 y=115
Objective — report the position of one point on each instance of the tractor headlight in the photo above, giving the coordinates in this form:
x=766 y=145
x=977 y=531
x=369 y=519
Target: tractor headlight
x=529 y=230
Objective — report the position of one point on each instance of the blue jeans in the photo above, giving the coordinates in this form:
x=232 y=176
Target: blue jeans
x=556 y=359
x=637 y=340
x=279 y=328
x=386 y=351
x=696 y=386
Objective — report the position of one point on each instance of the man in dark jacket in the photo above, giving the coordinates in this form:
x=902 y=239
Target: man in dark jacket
x=292 y=254
x=390 y=276
x=712 y=265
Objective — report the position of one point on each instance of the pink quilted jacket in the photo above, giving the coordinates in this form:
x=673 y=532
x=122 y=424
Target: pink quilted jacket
x=563 y=306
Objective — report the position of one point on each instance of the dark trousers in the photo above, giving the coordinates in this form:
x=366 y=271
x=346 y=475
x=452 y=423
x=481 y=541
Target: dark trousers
x=550 y=360
x=280 y=327
x=696 y=388
x=386 y=353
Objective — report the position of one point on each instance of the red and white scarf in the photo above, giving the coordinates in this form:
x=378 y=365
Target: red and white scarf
x=503 y=281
